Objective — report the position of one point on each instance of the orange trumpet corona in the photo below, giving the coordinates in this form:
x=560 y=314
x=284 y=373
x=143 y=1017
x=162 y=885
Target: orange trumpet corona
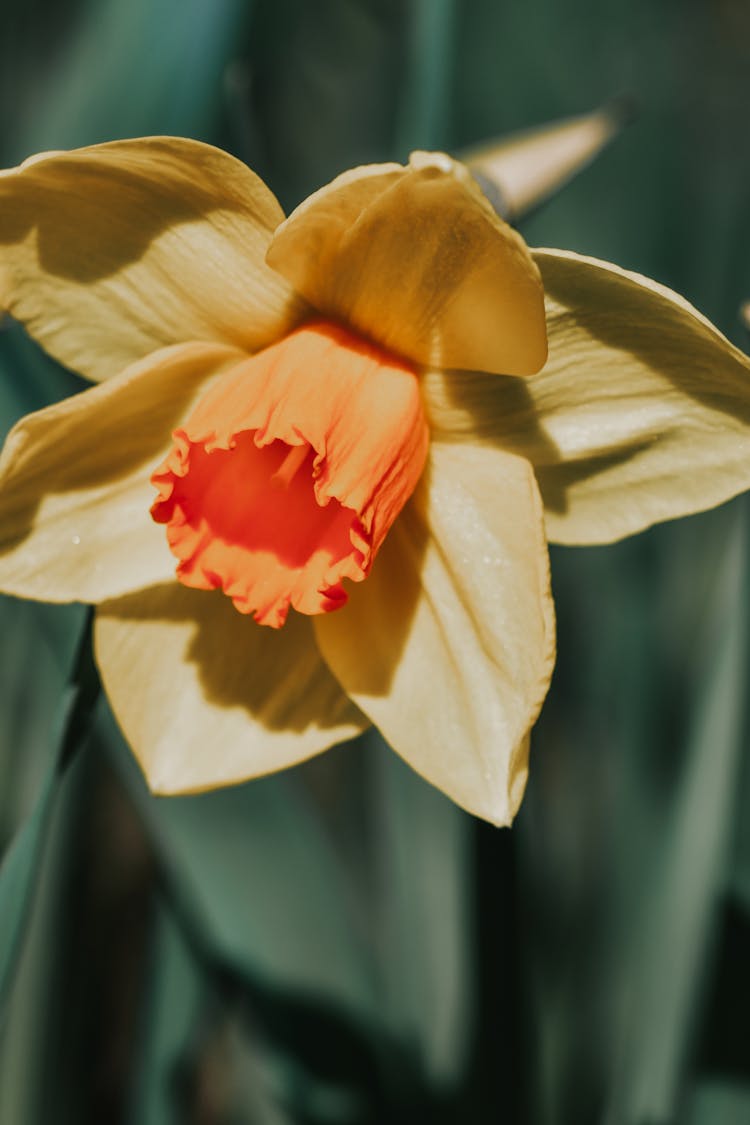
x=290 y=471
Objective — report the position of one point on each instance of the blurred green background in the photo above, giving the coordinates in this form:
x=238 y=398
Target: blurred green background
x=339 y=945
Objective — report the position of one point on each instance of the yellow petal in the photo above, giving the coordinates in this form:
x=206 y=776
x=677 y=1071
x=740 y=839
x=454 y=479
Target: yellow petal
x=74 y=481
x=423 y=266
x=641 y=414
x=329 y=212
x=110 y=252
x=206 y=697
x=448 y=646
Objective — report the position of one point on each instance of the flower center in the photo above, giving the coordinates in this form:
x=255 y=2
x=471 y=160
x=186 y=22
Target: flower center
x=287 y=476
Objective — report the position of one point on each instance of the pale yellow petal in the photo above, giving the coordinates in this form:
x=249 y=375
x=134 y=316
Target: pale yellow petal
x=110 y=252
x=448 y=646
x=424 y=267
x=206 y=697
x=641 y=414
x=74 y=481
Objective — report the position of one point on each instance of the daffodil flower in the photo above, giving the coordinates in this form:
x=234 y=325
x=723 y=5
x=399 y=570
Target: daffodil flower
x=349 y=413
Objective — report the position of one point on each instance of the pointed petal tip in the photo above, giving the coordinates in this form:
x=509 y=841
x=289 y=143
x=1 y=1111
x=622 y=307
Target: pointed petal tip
x=623 y=109
x=499 y=816
x=500 y=802
x=520 y=172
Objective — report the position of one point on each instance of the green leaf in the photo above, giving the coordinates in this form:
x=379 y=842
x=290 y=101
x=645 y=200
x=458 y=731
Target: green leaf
x=171 y=1012
x=426 y=101
x=18 y=874
x=337 y=896
x=680 y=923
x=133 y=68
x=35 y=1087
x=22 y=860
x=718 y=1103
x=261 y=882
x=424 y=910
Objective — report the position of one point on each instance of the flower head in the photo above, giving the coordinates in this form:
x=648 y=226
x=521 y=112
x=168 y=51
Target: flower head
x=341 y=423
x=288 y=474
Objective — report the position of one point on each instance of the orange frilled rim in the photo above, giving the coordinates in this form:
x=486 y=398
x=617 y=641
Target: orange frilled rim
x=287 y=476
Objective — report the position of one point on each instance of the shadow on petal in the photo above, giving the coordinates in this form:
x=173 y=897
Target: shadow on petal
x=68 y=201
x=635 y=317
x=363 y=642
x=500 y=411
x=555 y=480
x=464 y=404
x=484 y=409
x=276 y=676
